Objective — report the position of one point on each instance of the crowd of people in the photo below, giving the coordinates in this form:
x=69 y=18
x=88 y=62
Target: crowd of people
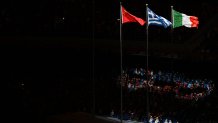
x=163 y=82
x=129 y=117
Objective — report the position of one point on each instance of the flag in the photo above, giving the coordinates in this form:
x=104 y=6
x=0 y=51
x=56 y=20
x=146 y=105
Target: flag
x=127 y=17
x=154 y=19
x=180 y=19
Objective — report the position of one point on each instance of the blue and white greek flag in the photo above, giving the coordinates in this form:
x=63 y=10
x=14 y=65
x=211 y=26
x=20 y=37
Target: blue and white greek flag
x=154 y=19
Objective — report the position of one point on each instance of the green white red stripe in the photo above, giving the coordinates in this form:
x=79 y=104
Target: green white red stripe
x=180 y=19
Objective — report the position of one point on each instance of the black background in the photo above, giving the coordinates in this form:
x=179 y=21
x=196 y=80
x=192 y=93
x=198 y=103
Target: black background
x=53 y=56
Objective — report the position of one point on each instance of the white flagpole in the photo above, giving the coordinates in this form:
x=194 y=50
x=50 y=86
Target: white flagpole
x=147 y=93
x=121 y=66
x=172 y=21
x=172 y=38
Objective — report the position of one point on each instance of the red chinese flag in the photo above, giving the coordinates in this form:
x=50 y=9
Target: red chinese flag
x=127 y=17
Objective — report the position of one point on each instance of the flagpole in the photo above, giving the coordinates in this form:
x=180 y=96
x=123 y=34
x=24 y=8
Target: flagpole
x=147 y=94
x=172 y=20
x=172 y=38
x=121 y=67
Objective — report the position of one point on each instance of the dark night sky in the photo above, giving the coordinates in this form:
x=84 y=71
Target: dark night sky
x=47 y=44
x=44 y=17
x=78 y=19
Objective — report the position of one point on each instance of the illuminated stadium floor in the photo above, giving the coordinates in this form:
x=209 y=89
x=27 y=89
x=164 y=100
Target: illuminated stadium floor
x=79 y=117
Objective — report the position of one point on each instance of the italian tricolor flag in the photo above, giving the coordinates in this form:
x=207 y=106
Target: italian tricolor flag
x=180 y=19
